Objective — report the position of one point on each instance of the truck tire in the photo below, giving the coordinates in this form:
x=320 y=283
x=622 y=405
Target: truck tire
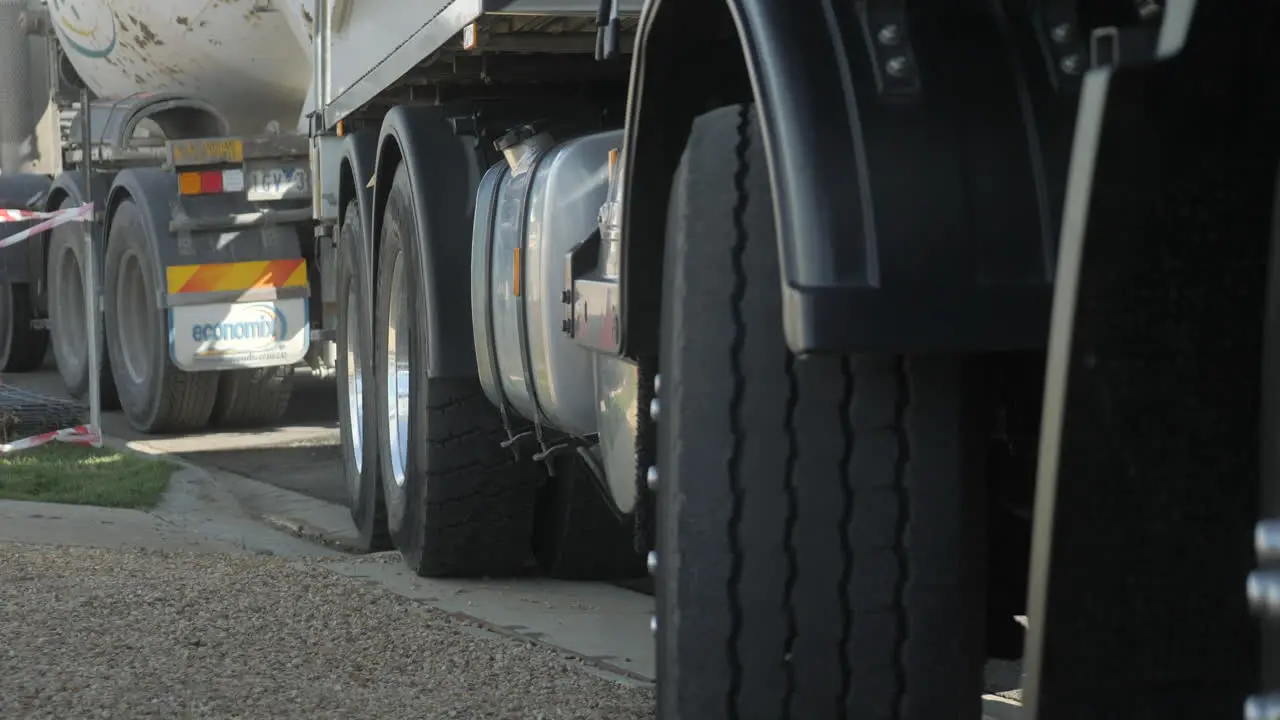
x=577 y=534
x=252 y=398
x=356 y=383
x=67 y=321
x=22 y=349
x=458 y=503
x=819 y=548
x=156 y=396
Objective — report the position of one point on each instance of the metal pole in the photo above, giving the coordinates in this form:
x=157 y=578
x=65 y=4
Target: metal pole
x=90 y=268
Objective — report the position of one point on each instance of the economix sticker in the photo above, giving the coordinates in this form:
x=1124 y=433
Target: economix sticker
x=225 y=336
x=249 y=334
x=90 y=434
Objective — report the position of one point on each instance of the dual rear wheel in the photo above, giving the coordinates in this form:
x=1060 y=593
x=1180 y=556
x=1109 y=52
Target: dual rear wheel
x=820 y=520
x=427 y=471
x=156 y=396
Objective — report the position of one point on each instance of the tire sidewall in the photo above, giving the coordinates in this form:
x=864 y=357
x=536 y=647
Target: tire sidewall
x=395 y=235
x=363 y=483
x=63 y=248
x=128 y=238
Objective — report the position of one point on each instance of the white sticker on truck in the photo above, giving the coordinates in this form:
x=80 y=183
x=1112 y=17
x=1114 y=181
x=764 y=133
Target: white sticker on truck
x=227 y=336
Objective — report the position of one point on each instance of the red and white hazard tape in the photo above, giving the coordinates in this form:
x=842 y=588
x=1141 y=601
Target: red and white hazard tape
x=81 y=434
x=86 y=435
x=9 y=216
x=51 y=220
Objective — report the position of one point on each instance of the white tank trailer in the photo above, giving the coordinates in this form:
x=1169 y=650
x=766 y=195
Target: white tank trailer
x=250 y=59
x=197 y=160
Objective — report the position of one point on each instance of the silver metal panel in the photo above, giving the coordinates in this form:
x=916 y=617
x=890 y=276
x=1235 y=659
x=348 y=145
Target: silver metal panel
x=381 y=40
x=617 y=386
x=570 y=185
x=326 y=159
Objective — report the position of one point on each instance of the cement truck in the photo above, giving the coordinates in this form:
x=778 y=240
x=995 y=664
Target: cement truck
x=206 y=299
x=833 y=306
x=819 y=311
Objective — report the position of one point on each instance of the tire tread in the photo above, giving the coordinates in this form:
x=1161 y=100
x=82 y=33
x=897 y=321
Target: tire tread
x=823 y=524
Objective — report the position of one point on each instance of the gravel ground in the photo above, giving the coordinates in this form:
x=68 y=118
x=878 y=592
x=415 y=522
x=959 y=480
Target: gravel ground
x=88 y=633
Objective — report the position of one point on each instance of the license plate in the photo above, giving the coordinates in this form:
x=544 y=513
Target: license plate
x=206 y=152
x=227 y=336
x=264 y=184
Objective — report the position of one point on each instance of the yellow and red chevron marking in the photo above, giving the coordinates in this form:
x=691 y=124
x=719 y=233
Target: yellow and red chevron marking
x=223 y=277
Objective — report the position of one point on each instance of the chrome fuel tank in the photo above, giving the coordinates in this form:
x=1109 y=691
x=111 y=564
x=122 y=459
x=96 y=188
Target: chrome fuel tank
x=527 y=219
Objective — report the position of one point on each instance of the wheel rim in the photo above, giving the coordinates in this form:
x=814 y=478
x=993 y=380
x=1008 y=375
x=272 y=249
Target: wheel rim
x=355 y=381
x=398 y=375
x=136 y=319
x=69 y=314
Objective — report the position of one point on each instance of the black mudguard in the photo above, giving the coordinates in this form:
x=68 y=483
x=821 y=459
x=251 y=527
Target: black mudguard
x=444 y=172
x=917 y=218
x=68 y=184
x=359 y=161
x=1150 y=455
x=21 y=263
x=155 y=192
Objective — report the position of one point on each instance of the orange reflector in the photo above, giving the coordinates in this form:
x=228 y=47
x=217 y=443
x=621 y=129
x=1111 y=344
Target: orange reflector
x=515 y=280
x=613 y=163
x=342 y=128
x=189 y=183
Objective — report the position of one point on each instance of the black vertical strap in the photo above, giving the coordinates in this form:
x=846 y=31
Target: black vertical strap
x=495 y=375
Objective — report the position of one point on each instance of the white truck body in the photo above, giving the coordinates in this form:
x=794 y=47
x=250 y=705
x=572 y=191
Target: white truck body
x=248 y=58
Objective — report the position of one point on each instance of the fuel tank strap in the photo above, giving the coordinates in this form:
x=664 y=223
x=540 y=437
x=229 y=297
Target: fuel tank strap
x=522 y=326
x=495 y=374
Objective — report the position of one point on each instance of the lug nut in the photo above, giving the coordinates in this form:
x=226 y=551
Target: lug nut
x=889 y=35
x=1263 y=591
x=896 y=66
x=651 y=477
x=652 y=562
x=653 y=409
x=1262 y=707
x=1266 y=540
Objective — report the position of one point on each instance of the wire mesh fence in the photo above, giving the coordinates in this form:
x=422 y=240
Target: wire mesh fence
x=24 y=413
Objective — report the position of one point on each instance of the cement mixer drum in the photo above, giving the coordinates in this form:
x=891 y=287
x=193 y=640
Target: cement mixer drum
x=239 y=55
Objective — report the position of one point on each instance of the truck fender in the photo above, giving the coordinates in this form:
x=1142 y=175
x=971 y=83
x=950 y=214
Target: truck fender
x=153 y=191
x=67 y=185
x=884 y=268
x=791 y=77
x=444 y=172
x=21 y=263
x=359 y=160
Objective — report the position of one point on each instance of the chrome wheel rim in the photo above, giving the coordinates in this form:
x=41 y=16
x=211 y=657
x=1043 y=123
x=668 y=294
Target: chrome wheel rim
x=135 y=319
x=355 y=382
x=68 y=313
x=398 y=375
